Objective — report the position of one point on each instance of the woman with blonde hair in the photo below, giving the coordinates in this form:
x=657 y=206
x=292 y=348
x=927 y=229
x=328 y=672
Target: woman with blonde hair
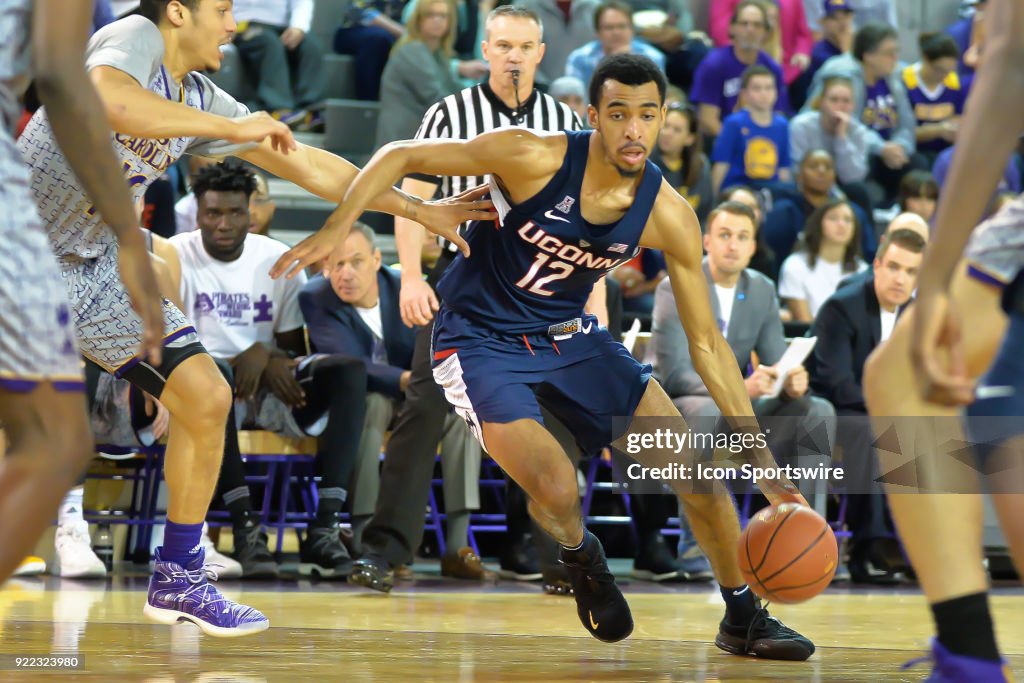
x=419 y=71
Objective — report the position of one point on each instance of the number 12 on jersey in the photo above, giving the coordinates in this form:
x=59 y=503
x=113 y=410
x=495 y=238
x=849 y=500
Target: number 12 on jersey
x=531 y=283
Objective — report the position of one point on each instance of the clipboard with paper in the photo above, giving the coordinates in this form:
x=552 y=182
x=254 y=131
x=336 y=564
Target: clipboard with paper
x=795 y=355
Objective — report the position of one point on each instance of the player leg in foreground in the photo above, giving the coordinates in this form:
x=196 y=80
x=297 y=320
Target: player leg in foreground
x=951 y=573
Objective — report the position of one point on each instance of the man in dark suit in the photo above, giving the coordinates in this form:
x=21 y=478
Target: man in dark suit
x=352 y=309
x=747 y=309
x=850 y=324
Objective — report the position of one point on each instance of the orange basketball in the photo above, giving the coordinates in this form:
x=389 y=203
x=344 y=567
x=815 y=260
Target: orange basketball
x=788 y=553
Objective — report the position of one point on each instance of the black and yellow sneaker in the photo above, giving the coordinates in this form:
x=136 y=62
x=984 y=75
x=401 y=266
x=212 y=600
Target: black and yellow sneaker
x=599 y=603
x=374 y=572
x=765 y=636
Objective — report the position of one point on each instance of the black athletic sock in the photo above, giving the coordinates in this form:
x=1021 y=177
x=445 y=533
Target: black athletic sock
x=585 y=553
x=965 y=626
x=740 y=605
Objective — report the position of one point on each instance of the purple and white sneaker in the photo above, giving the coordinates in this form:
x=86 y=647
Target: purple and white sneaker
x=948 y=667
x=179 y=593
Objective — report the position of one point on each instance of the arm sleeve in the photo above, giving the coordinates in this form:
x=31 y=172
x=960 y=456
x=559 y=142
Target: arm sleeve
x=771 y=339
x=290 y=316
x=707 y=86
x=792 y=278
x=803 y=41
x=219 y=102
x=782 y=128
x=719 y=18
x=680 y=9
x=435 y=124
x=301 y=15
x=834 y=376
x=725 y=143
x=853 y=153
x=133 y=45
x=672 y=361
x=574 y=63
x=800 y=142
x=415 y=67
x=906 y=133
x=782 y=104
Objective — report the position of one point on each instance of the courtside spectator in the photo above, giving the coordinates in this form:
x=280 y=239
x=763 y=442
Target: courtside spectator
x=829 y=250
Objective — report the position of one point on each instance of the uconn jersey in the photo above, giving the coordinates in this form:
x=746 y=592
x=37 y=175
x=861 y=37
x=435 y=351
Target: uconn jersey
x=134 y=46
x=511 y=335
x=537 y=264
x=36 y=336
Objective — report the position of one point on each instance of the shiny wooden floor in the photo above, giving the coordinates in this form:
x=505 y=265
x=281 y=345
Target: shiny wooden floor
x=440 y=630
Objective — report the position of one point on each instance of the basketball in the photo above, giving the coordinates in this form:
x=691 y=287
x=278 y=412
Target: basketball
x=788 y=553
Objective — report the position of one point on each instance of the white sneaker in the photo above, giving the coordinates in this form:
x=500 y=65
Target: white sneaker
x=75 y=558
x=225 y=567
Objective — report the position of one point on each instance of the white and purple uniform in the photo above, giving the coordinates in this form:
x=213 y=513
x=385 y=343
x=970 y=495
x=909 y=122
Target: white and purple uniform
x=109 y=331
x=37 y=341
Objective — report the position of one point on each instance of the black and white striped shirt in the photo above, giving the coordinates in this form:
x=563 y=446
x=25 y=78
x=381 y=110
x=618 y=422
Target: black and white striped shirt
x=470 y=112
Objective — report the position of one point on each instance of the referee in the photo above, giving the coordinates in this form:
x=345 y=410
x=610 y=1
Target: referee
x=513 y=48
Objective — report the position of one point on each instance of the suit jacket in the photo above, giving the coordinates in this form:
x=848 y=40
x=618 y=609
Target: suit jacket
x=848 y=327
x=754 y=326
x=336 y=327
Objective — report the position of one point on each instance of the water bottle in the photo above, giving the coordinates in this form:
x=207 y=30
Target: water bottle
x=103 y=545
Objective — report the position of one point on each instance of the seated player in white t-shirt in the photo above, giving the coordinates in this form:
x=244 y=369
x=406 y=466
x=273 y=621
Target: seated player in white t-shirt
x=828 y=251
x=252 y=326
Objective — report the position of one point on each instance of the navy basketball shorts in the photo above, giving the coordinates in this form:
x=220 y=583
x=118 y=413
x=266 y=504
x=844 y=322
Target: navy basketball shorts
x=577 y=371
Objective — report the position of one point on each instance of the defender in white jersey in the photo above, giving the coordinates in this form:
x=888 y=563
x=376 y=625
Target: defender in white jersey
x=144 y=69
x=42 y=405
x=956 y=333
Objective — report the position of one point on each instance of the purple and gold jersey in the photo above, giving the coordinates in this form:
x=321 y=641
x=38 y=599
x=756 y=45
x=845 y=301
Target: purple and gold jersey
x=936 y=106
x=135 y=46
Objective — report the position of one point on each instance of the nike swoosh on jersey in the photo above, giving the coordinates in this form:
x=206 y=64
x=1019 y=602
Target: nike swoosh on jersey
x=985 y=392
x=550 y=213
x=586 y=330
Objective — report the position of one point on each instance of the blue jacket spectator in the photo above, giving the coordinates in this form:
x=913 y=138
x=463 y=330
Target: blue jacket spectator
x=374 y=333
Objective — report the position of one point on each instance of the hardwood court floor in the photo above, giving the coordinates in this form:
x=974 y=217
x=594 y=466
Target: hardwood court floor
x=438 y=630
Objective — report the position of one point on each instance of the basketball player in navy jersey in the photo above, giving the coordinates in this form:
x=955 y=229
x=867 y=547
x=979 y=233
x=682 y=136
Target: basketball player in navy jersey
x=511 y=333
x=945 y=342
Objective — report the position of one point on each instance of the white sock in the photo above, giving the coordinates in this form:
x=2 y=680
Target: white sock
x=71 y=506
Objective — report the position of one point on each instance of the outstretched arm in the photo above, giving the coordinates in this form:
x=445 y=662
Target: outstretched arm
x=141 y=113
x=326 y=175
x=675 y=230
x=59 y=31
x=524 y=160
